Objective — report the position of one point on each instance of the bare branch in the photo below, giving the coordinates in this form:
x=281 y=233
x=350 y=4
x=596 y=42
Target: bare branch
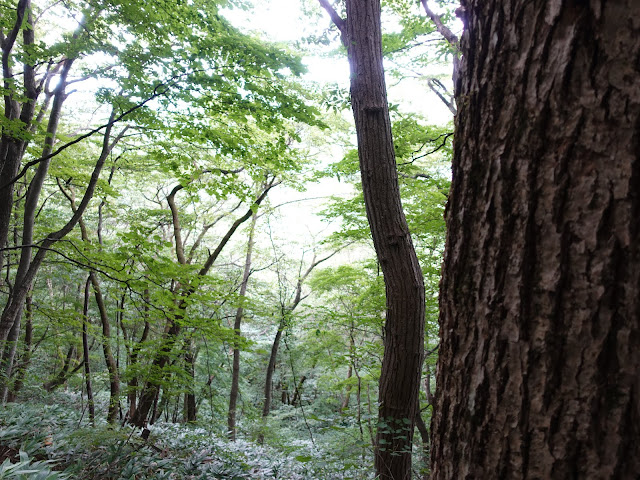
x=337 y=20
x=441 y=27
x=437 y=87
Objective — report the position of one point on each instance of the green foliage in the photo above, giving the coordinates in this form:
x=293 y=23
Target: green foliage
x=171 y=452
x=211 y=114
x=26 y=468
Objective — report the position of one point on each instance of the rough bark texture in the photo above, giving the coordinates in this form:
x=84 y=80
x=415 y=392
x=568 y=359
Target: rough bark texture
x=404 y=327
x=538 y=374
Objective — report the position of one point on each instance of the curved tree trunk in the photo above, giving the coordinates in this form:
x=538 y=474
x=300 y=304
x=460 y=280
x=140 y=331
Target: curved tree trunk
x=112 y=367
x=540 y=304
x=404 y=285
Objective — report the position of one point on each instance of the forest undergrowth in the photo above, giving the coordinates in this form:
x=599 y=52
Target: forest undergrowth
x=54 y=440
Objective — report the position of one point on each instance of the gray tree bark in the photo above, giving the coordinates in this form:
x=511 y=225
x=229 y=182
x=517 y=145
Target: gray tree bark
x=539 y=367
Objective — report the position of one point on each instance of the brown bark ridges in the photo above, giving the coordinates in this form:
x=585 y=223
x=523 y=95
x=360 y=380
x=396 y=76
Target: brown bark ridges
x=361 y=33
x=404 y=326
x=540 y=313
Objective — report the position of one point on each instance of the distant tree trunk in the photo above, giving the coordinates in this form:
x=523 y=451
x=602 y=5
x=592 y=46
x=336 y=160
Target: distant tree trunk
x=65 y=372
x=297 y=394
x=172 y=329
x=85 y=350
x=347 y=393
x=132 y=384
x=235 y=374
x=352 y=366
x=152 y=387
x=424 y=436
x=190 y=408
x=25 y=358
x=159 y=406
x=539 y=354
x=268 y=383
x=112 y=367
x=284 y=392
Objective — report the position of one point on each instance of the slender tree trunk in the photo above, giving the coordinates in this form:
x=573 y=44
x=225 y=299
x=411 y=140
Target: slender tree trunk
x=297 y=393
x=159 y=406
x=28 y=268
x=27 y=352
x=235 y=374
x=404 y=284
x=12 y=323
x=424 y=436
x=285 y=314
x=347 y=393
x=352 y=366
x=85 y=350
x=152 y=386
x=65 y=372
x=12 y=147
x=172 y=329
x=8 y=356
x=539 y=355
x=404 y=326
x=190 y=407
x=132 y=384
x=112 y=367
x=268 y=383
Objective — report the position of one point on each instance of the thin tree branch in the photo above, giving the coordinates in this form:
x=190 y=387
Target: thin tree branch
x=337 y=20
x=156 y=93
x=441 y=27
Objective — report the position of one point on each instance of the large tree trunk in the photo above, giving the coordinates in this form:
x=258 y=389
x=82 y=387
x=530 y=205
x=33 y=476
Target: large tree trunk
x=404 y=327
x=540 y=307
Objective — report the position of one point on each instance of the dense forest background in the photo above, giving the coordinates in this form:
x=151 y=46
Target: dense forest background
x=223 y=255
x=184 y=242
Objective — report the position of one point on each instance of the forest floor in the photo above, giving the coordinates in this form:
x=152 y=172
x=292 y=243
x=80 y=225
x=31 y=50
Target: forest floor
x=54 y=441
